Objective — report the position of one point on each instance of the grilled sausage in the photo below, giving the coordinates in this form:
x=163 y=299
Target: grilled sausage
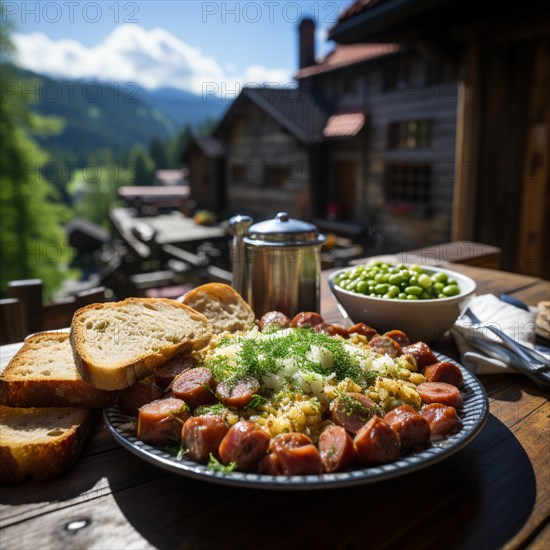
x=332 y=329
x=376 y=443
x=412 y=429
x=196 y=387
x=165 y=375
x=440 y=392
x=130 y=399
x=353 y=410
x=238 y=394
x=399 y=336
x=364 y=330
x=306 y=319
x=422 y=353
x=245 y=444
x=294 y=453
x=444 y=372
x=202 y=435
x=336 y=449
x=274 y=319
x=442 y=419
x=385 y=345
x=161 y=420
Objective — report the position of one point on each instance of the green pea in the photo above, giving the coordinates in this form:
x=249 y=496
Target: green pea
x=413 y=290
x=424 y=281
x=413 y=281
x=393 y=291
x=451 y=290
x=362 y=287
x=417 y=268
x=440 y=277
x=381 y=288
x=438 y=287
x=396 y=279
x=412 y=297
x=401 y=296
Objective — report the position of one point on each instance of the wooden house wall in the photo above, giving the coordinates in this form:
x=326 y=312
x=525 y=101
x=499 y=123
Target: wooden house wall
x=204 y=180
x=372 y=153
x=254 y=141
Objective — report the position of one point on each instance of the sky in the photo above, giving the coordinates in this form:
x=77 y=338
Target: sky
x=184 y=44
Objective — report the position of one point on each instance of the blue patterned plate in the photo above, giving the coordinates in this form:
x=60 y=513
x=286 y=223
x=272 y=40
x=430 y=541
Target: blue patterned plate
x=473 y=416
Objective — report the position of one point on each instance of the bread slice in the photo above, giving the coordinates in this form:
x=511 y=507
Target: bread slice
x=118 y=343
x=43 y=374
x=222 y=306
x=41 y=442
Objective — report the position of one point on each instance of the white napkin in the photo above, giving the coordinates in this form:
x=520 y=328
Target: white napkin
x=482 y=351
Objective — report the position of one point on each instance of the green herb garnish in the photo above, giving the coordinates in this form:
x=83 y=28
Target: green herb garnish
x=174 y=448
x=216 y=466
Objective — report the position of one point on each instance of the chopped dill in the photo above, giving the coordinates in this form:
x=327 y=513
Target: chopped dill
x=216 y=466
x=256 y=401
x=174 y=448
x=216 y=409
x=258 y=357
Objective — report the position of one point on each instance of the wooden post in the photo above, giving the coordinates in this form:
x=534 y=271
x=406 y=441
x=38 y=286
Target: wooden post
x=29 y=294
x=11 y=328
x=467 y=146
x=533 y=238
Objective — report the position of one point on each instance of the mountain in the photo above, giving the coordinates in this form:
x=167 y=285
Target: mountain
x=110 y=117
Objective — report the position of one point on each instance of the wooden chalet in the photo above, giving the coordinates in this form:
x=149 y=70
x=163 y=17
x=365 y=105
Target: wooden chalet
x=501 y=52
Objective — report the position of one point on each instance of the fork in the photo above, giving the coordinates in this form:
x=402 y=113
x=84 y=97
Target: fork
x=535 y=365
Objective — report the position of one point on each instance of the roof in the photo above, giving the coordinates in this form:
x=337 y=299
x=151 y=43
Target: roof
x=344 y=125
x=158 y=191
x=355 y=8
x=210 y=146
x=350 y=54
x=89 y=228
x=297 y=110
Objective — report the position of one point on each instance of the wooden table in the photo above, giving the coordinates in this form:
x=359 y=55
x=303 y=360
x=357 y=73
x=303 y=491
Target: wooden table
x=494 y=493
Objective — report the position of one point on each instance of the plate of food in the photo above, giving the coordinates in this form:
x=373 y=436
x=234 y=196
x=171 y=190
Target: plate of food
x=298 y=404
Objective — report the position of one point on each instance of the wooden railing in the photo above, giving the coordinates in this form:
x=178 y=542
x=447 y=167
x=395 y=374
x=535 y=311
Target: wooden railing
x=24 y=312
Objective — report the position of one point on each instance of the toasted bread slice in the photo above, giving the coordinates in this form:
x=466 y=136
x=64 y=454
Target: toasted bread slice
x=116 y=344
x=222 y=306
x=41 y=442
x=43 y=374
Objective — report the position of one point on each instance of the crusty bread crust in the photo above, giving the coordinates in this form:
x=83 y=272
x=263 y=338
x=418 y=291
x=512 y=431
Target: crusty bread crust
x=111 y=374
x=223 y=306
x=46 y=456
x=31 y=380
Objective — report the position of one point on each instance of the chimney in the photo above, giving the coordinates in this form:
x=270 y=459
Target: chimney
x=307 y=43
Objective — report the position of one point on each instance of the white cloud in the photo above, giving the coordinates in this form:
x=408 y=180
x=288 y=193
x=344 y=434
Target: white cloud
x=153 y=59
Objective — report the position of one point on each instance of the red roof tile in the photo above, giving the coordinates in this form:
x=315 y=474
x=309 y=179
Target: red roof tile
x=345 y=55
x=357 y=7
x=344 y=125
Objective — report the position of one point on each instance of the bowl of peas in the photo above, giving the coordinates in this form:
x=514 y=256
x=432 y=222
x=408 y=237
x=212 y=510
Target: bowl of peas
x=421 y=300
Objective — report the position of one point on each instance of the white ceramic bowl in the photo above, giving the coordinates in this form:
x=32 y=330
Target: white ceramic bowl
x=425 y=320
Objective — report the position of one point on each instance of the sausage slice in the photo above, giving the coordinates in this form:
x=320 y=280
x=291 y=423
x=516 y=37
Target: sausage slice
x=440 y=392
x=399 y=336
x=385 y=345
x=442 y=419
x=444 y=371
x=202 y=435
x=376 y=443
x=245 y=444
x=422 y=353
x=292 y=454
x=274 y=319
x=130 y=399
x=412 y=429
x=336 y=449
x=238 y=394
x=364 y=330
x=161 y=420
x=196 y=387
x=353 y=410
x=306 y=319
x=165 y=375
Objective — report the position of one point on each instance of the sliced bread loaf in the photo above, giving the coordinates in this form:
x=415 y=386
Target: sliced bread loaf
x=42 y=443
x=222 y=306
x=116 y=344
x=43 y=374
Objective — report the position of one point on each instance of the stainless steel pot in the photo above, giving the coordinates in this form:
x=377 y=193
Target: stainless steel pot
x=277 y=264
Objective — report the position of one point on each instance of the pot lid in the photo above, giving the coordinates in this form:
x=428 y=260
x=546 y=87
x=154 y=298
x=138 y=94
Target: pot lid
x=284 y=230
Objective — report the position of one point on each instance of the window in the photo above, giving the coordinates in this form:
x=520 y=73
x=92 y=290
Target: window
x=408 y=184
x=410 y=134
x=396 y=75
x=275 y=175
x=238 y=173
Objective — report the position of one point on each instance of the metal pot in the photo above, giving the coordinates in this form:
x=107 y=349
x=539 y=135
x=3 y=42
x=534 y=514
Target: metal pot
x=277 y=264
